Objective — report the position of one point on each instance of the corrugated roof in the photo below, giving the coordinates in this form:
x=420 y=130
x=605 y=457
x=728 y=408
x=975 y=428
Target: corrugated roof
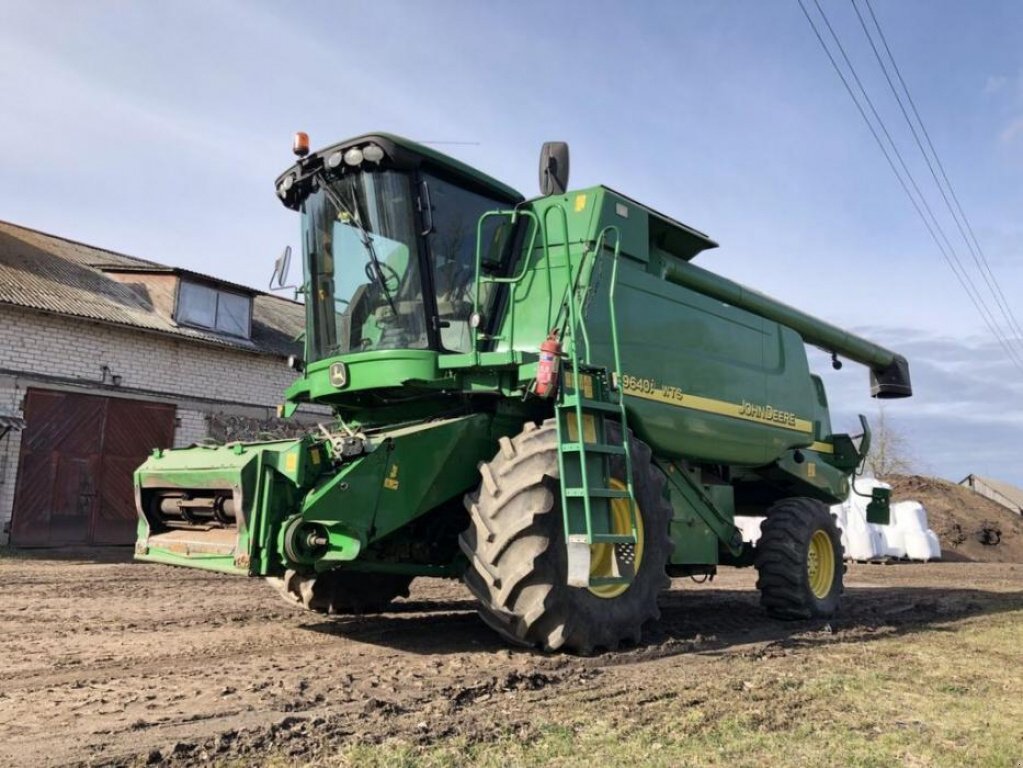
x=1007 y=491
x=10 y=423
x=159 y=269
x=53 y=274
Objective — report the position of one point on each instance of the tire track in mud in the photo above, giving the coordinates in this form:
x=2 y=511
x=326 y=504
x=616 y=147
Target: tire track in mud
x=442 y=712
x=184 y=620
x=178 y=662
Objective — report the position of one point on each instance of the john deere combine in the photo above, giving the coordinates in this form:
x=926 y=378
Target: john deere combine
x=545 y=398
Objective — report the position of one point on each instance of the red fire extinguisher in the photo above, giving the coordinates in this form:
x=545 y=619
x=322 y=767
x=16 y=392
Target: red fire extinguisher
x=547 y=369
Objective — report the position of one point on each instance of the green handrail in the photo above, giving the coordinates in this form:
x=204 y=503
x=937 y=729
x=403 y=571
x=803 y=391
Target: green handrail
x=616 y=353
x=568 y=259
x=480 y=278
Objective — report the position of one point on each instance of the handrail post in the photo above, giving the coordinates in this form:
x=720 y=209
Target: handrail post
x=616 y=353
x=480 y=279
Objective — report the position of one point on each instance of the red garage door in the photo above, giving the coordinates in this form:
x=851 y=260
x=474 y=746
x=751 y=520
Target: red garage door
x=78 y=453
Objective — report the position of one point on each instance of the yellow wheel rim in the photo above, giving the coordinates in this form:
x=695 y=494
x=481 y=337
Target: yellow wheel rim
x=608 y=560
x=820 y=564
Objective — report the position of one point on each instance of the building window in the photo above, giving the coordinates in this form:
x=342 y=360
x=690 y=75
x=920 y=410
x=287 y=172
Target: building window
x=206 y=307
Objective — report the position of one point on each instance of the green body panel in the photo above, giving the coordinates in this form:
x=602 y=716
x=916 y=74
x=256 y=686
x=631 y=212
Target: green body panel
x=703 y=516
x=384 y=369
x=810 y=476
x=705 y=381
x=712 y=375
x=691 y=364
x=295 y=487
x=695 y=541
x=813 y=331
x=411 y=471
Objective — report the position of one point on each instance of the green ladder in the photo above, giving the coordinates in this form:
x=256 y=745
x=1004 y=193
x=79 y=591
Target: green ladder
x=588 y=395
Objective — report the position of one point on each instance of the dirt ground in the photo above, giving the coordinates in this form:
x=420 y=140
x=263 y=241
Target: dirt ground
x=116 y=663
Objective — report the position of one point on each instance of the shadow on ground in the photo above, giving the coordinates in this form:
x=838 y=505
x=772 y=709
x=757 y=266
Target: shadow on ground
x=710 y=621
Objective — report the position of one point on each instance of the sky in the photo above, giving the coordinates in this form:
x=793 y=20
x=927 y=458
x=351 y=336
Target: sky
x=157 y=130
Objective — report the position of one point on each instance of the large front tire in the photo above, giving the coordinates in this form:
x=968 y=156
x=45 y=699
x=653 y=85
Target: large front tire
x=799 y=560
x=518 y=559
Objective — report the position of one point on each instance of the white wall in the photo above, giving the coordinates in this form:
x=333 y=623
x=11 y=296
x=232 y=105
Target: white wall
x=52 y=352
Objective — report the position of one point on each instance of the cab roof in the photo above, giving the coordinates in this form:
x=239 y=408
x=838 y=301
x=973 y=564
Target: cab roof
x=399 y=153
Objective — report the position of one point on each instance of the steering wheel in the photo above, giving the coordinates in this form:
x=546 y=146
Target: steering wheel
x=387 y=274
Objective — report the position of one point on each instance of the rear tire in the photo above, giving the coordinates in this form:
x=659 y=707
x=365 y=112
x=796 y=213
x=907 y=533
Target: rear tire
x=518 y=559
x=799 y=559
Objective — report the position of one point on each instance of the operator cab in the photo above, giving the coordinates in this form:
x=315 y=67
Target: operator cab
x=389 y=232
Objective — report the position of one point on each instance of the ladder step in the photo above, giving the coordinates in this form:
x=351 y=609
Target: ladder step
x=569 y=401
x=613 y=538
x=613 y=450
x=597 y=493
x=605 y=581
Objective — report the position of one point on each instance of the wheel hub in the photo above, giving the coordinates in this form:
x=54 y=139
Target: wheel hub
x=820 y=564
x=613 y=560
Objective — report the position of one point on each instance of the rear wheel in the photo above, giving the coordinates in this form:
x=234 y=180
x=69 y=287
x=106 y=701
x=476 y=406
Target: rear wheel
x=342 y=592
x=518 y=559
x=799 y=560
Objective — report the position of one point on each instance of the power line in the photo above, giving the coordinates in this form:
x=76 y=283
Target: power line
x=975 y=250
x=891 y=141
x=947 y=250
x=952 y=260
x=952 y=257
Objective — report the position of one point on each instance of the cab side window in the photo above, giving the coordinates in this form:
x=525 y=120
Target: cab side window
x=452 y=242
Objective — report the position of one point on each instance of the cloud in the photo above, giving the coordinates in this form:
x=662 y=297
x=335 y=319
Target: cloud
x=995 y=83
x=1007 y=93
x=1013 y=130
x=965 y=413
x=142 y=123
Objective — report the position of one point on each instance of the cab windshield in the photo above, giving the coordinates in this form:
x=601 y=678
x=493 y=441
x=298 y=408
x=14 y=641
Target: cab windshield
x=362 y=271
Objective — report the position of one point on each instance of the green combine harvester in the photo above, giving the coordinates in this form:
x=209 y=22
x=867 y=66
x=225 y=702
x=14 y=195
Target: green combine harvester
x=545 y=398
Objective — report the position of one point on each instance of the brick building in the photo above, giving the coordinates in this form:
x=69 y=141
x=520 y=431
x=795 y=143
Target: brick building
x=103 y=357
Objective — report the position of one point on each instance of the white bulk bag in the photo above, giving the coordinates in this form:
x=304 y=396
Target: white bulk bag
x=921 y=543
x=749 y=527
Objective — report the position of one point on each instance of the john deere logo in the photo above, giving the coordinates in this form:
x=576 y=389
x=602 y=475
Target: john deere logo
x=338 y=375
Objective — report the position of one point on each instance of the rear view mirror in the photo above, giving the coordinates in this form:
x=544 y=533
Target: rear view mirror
x=279 y=278
x=554 y=168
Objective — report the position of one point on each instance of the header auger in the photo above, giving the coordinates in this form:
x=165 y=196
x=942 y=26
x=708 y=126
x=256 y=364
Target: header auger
x=543 y=397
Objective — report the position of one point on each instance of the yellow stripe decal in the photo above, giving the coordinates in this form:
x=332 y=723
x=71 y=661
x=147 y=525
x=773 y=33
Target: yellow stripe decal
x=648 y=389
x=822 y=447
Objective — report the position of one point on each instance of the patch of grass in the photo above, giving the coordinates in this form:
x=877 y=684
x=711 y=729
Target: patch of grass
x=934 y=698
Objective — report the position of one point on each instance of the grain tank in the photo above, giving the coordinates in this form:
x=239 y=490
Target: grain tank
x=545 y=398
